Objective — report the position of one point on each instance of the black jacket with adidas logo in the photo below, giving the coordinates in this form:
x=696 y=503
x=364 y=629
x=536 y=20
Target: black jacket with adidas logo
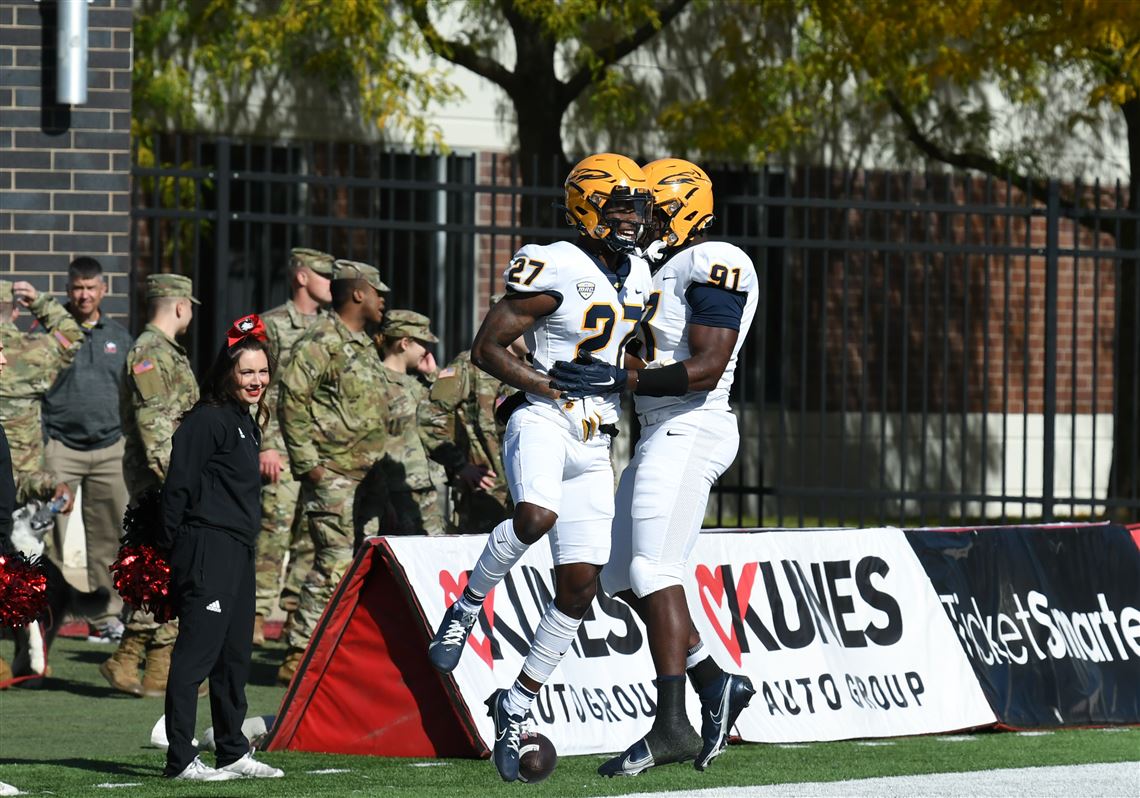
x=214 y=480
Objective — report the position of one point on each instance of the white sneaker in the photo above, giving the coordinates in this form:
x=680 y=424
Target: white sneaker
x=200 y=771
x=250 y=768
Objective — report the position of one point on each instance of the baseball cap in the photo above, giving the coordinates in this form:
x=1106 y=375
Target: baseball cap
x=401 y=323
x=319 y=262
x=173 y=285
x=355 y=270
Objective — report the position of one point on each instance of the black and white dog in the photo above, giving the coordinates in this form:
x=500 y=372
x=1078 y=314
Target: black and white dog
x=30 y=524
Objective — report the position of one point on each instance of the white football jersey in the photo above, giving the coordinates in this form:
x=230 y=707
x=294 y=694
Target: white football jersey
x=594 y=314
x=665 y=328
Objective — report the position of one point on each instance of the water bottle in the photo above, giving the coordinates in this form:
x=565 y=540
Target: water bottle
x=42 y=518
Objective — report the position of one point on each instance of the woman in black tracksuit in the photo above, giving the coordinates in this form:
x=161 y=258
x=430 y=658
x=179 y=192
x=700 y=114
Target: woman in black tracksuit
x=211 y=505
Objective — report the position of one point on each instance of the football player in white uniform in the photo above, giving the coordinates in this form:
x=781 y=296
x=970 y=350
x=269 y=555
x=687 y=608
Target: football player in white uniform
x=704 y=298
x=568 y=300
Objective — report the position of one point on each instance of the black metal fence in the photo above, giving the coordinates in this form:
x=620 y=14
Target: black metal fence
x=927 y=347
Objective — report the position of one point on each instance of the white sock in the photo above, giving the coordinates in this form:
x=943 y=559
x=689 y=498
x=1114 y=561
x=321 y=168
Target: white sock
x=502 y=551
x=519 y=699
x=552 y=640
x=696 y=654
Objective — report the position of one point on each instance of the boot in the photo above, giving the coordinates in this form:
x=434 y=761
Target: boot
x=289 y=602
x=122 y=670
x=259 y=630
x=289 y=666
x=5 y=673
x=157 y=670
x=286 y=626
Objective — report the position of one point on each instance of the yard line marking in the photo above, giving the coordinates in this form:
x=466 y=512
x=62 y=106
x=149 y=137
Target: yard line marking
x=1033 y=733
x=110 y=785
x=428 y=764
x=873 y=743
x=326 y=771
x=1067 y=780
x=957 y=738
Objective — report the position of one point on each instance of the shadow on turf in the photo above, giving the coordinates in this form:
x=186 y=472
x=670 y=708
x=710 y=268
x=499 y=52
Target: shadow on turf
x=93 y=766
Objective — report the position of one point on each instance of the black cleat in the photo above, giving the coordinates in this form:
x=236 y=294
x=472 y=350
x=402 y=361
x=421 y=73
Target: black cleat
x=719 y=711
x=652 y=750
x=508 y=729
x=446 y=647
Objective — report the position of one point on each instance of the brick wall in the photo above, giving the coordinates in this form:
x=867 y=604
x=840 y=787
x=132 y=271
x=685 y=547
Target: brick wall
x=942 y=306
x=65 y=170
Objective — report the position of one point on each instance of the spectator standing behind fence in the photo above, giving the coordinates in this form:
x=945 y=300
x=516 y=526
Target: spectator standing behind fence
x=211 y=508
x=157 y=388
x=412 y=494
x=462 y=434
x=85 y=434
x=332 y=415
x=35 y=360
x=310 y=273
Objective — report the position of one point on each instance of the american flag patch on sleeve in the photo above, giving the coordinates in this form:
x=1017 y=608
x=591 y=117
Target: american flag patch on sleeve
x=143 y=366
x=62 y=339
x=447 y=372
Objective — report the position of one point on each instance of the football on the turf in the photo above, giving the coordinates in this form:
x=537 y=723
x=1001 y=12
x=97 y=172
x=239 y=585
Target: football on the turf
x=537 y=758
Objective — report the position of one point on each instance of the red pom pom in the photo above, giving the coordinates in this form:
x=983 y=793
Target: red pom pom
x=23 y=590
x=142 y=577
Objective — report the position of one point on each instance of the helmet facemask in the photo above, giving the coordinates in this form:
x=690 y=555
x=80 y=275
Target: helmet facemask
x=623 y=218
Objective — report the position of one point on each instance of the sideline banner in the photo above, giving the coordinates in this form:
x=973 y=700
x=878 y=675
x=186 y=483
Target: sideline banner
x=839 y=630
x=1048 y=616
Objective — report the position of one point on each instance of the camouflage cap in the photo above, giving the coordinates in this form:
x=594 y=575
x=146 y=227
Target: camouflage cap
x=401 y=323
x=355 y=270
x=314 y=259
x=6 y=294
x=173 y=285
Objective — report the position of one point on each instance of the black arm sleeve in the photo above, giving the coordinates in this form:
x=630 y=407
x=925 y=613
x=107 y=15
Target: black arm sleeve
x=196 y=439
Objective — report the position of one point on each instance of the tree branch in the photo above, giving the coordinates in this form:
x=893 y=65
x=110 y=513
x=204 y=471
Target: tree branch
x=620 y=49
x=980 y=162
x=457 y=52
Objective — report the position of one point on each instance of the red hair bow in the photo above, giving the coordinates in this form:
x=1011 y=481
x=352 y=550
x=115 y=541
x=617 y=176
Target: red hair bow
x=246 y=326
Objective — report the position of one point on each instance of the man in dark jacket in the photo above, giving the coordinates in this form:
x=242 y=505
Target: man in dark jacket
x=85 y=436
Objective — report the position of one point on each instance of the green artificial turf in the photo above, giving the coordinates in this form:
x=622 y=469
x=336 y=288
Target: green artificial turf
x=78 y=734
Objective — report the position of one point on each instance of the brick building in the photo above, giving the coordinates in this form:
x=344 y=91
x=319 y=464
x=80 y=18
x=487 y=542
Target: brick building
x=65 y=169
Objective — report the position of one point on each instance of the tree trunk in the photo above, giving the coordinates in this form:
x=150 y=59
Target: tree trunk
x=1123 y=479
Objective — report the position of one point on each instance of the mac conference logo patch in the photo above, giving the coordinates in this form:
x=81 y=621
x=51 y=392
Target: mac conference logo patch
x=585 y=289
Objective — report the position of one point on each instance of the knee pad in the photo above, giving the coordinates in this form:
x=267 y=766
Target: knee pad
x=647 y=576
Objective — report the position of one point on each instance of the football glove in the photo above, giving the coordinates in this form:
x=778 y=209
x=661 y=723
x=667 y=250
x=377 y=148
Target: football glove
x=587 y=377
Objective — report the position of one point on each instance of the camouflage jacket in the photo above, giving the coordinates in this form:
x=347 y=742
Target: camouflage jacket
x=331 y=407
x=157 y=387
x=461 y=415
x=405 y=464
x=284 y=326
x=34 y=361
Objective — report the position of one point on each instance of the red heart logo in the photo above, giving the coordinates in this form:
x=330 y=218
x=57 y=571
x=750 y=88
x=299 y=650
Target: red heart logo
x=452 y=590
x=712 y=585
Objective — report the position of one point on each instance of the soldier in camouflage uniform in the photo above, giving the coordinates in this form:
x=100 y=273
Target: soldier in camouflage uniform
x=461 y=433
x=34 y=360
x=332 y=414
x=158 y=386
x=413 y=495
x=310 y=273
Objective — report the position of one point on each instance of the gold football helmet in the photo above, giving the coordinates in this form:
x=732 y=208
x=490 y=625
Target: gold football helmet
x=682 y=199
x=599 y=189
